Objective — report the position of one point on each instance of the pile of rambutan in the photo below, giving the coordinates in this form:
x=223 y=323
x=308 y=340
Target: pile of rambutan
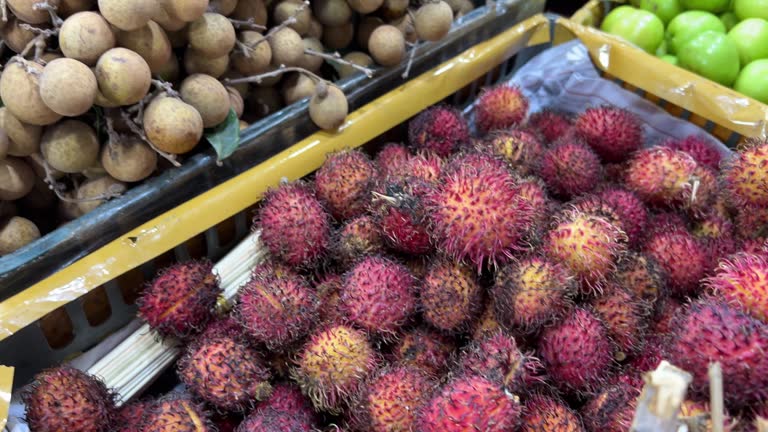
x=521 y=279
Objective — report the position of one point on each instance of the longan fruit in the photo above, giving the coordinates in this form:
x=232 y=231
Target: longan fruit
x=93 y=188
x=356 y=57
x=16 y=178
x=85 y=36
x=124 y=76
x=236 y=101
x=24 y=138
x=195 y=62
x=128 y=15
x=287 y=47
x=208 y=96
x=364 y=29
x=20 y=91
x=251 y=9
x=311 y=62
x=287 y=8
x=68 y=211
x=387 y=45
x=332 y=12
x=464 y=7
x=15 y=233
x=242 y=88
x=315 y=29
x=243 y=125
x=259 y=56
x=25 y=11
x=102 y=101
x=49 y=56
x=337 y=38
x=37 y=163
x=178 y=38
x=433 y=21
x=168 y=21
x=328 y=107
x=212 y=35
x=16 y=37
x=365 y=6
x=70 y=146
x=5 y=144
x=185 y=10
x=272 y=80
x=224 y=7
x=296 y=87
x=263 y=101
x=171 y=69
x=129 y=160
x=70 y=7
x=172 y=125
x=392 y=9
x=405 y=25
x=57 y=81
x=94 y=171
x=150 y=42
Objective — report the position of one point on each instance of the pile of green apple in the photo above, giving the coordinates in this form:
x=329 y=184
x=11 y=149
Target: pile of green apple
x=725 y=41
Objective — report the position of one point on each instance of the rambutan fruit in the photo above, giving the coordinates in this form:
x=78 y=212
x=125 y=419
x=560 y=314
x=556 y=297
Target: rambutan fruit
x=467 y=403
x=64 y=399
x=180 y=301
x=547 y=414
x=666 y=312
x=425 y=349
x=550 y=123
x=745 y=175
x=520 y=148
x=613 y=133
x=378 y=295
x=625 y=316
x=612 y=409
x=683 y=259
x=533 y=191
x=226 y=422
x=743 y=280
x=391 y=399
x=225 y=373
x=450 y=296
x=477 y=211
x=712 y=331
x=531 y=293
x=344 y=183
x=500 y=107
x=390 y=158
x=178 y=412
x=717 y=236
x=331 y=366
x=649 y=358
x=277 y=310
x=588 y=245
x=751 y=221
x=487 y=324
x=641 y=276
x=498 y=358
x=701 y=151
x=328 y=291
x=755 y=246
x=132 y=416
x=440 y=129
x=399 y=209
x=224 y=326
x=426 y=166
x=576 y=351
x=665 y=177
x=270 y=420
x=570 y=168
x=630 y=209
x=666 y=221
x=295 y=227
x=358 y=237
x=287 y=398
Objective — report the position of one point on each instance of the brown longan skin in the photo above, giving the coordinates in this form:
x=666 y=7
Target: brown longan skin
x=195 y=62
x=242 y=88
x=365 y=6
x=208 y=96
x=365 y=28
x=94 y=188
x=24 y=10
x=70 y=146
x=5 y=144
x=297 y=86
x=71 y=7
x=332 y=12
x=20 y=90
x=392 y=9
x=24 y=138
x=260 y=54
x=387 y=45
x=129 y=160
x=328 y=111
x=150 y=42
x=287 y=47
x=263 y=101
x=310 y=62
x=286 y=9
x=315 y=29
x=405 y=25
x=124 y=76
x=433 y=21
x=57 y=82
x=15 y=37
x=251 y=9
x=355 y=57
x=236 y=101
x=15 y=233
x=16 y=178
x=172 y=125
x=212 y=35
x=85 y=36
x=338 y=38
x=224 y=7
x=171 y=70
x=128 y=15
x=167 y=21
x=185 y=10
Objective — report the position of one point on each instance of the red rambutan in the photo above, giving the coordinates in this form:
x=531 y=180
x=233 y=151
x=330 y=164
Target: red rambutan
x=533 y=191
x=613 y=133
x=287 y=398
x=177 y=412
x=390 y=157
x=344 y=183
x=701 y=151
x=440 y=129
x=625 y=318
x=426 y=166
x=641 y=276
x=666 y=312
x=270 y=420
x=756 y=246
x=450 y=296
x=743 y=280
x=716 y=234
x=551 y=124
x=358 y=237
x=520 y=148
x=399 y=209
x=570 y=168
x=132 y=416
x=180 y=300
x=611 y=410
x=500 y=107
x=547 y=414
x=223 y=326
x=294 y=225
x=745 y=174
x=425 y=349
x=682 y=257
x=751 y=221
x=630 y=209
x=497 y=358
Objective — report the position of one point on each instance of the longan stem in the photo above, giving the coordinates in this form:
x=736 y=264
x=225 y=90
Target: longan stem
x=336 y=57
x=279 y=71
x=57 y=189
x=140 y=133
x=247 y=23
x=246 y=50
x=411 y=55
x=55 y=19
x=288 y=21
x=166 y=87
x=114 y=137
x=3 y=10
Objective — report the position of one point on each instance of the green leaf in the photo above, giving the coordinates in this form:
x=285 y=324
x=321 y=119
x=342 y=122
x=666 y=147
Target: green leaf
x=225 y=138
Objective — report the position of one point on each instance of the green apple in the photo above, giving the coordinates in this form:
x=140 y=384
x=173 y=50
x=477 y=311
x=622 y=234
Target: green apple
x=712 y=55
x=664 y=9
x=751 y=9
x=753 y=80
x=638 y=27
x=688 y=25
x=615 y=15
x=669 y=59
x=751 y=39
x=715 y=6
x=662 y=49
x=729 y=20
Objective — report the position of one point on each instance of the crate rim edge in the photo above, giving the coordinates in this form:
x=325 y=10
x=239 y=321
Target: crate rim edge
x=183 y=222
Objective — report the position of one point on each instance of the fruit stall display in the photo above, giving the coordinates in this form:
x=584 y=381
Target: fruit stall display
x=470 y=263
x=93 y=129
